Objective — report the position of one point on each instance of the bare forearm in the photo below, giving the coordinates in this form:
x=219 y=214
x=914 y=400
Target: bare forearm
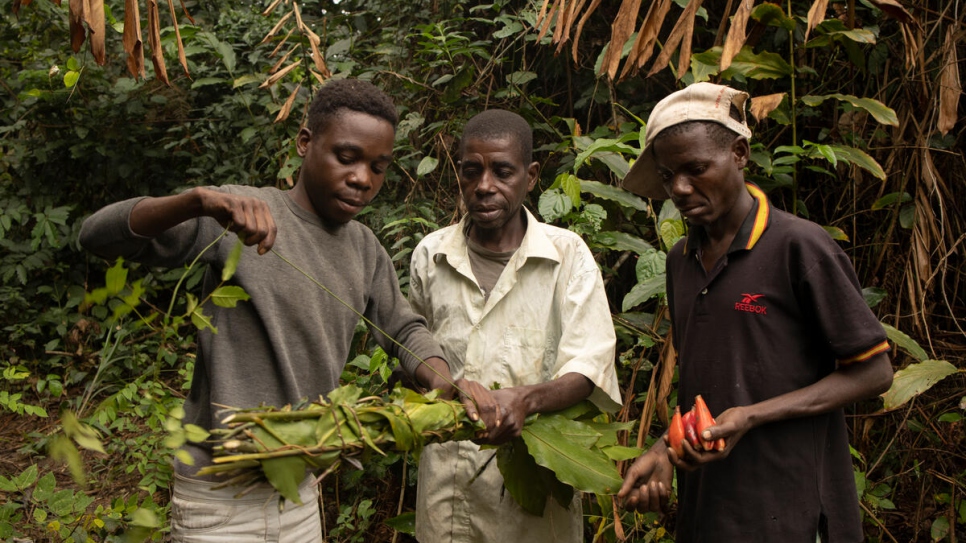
x=846 y=385
x=557 y=394
x=433 y=373
x=152 y=216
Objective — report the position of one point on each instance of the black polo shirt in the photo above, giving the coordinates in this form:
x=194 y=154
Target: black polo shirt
x=776 y=314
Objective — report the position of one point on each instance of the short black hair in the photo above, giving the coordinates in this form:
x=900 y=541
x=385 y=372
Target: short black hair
x=499 y=123
x=351 y=94
x=719 y=134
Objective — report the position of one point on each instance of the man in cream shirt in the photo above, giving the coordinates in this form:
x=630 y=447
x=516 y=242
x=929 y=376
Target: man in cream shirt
x=516 y=303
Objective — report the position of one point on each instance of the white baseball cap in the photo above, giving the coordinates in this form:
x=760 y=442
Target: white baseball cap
x=697 y=102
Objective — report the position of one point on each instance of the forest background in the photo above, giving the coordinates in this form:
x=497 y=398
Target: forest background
x=856 y=127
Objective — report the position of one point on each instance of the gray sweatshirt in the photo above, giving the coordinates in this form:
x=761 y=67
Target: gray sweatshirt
x=292 y=339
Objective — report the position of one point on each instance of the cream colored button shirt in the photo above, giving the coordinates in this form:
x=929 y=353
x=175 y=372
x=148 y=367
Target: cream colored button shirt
x=546 y=316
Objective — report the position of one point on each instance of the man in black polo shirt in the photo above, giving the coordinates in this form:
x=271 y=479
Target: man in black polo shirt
x=771 y=329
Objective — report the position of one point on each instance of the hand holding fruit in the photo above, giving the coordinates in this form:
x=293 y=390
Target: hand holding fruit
x=688 y=436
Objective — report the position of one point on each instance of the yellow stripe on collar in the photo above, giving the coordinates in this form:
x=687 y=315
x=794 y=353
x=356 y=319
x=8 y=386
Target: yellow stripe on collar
x=761 y=218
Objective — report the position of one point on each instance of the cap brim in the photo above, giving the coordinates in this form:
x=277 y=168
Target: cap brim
x=642 y=179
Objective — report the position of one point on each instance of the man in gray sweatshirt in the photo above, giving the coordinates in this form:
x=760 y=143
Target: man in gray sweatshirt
x=291 y=340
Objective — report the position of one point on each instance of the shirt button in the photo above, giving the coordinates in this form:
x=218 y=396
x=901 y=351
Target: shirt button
x=705 y=291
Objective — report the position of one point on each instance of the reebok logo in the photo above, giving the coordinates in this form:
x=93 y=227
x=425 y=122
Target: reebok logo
x=749 y=304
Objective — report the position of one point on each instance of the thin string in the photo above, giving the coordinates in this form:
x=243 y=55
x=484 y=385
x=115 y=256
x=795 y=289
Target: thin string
x=370 y=323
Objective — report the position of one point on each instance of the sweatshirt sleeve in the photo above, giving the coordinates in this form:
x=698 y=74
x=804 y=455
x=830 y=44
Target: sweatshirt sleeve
x=107 y=233
x=390 y=310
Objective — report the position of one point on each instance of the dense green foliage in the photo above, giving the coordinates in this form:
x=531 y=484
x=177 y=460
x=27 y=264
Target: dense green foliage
x=853 y=146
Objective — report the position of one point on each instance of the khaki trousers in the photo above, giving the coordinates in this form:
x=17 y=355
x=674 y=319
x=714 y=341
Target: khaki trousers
x=202 y=515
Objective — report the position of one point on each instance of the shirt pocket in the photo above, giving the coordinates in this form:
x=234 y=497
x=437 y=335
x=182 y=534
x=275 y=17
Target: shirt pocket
x=523 y=356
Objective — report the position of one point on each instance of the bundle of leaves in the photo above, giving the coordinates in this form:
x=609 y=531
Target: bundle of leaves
x=556 y=453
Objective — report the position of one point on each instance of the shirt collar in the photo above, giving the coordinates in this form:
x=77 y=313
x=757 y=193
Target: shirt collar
x=754 y=225
x=535 y=244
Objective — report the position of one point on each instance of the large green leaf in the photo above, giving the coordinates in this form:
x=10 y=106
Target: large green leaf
x=747 y=63
x=644 y=291
x=916 y=379
x=521 y=478
x=229 y=295
x=285 y=474
x=554 y=204
x=905 y=342
x=231 y=263
x=405 y=523
x=563 y=446
x=882 y=113
x=614 y=194
x=860 y=158
x=620 y=241
x=426 y=166
x=116 y=278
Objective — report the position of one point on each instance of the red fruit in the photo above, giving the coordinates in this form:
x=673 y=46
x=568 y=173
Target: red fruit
x=690 y=432
x=704 y=421
x=675 y=434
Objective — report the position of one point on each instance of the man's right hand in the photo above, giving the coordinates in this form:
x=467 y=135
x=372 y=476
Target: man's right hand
x=248 y=217
x=647 y=483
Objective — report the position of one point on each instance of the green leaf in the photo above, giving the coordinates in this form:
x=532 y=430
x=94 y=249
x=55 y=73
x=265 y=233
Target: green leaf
x=26 y=478
x=561 y=445
x=747 y=63
x=881 y=112
x=554 y=204
x=73 y=64
x=915 y=379
x=770 y=14
x=650 y=264
x=205 y=81
x=81 y=433
x=939 y=529
x=891 y=198
x=860 y=158
x=116 y=278
x=644 y=291
x=45 y=488
x=618 y=453
x=521 y=476
x=614 y=194
x=61 y=503
x=63 y=450
x=247 y=79
x=907 y=216
x=520 y=78
x=231 y=263
x=905 y=342
x=603 y=146
x=426 y=165
x=874 y=295
x=70 y=79
x=404 y=523
x=291 y=164
x=145 y=518
x=195 y=433
x=837 y=233
x=463 y=78
x=570 y=186
x=621 y=241
x=202 y=321
x=229 y=296
x=285 y=474
x=672 y=231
